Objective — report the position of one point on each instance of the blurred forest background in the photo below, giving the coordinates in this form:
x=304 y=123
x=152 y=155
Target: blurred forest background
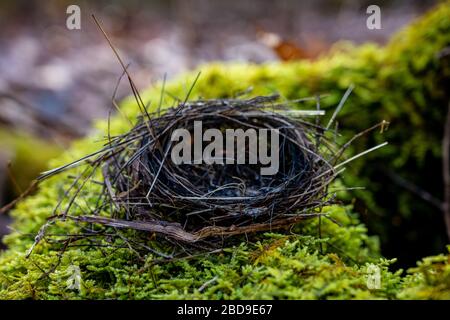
x=54 y=82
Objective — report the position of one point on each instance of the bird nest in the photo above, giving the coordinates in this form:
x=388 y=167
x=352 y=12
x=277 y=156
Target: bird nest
x=222 y=198
x=201 y=203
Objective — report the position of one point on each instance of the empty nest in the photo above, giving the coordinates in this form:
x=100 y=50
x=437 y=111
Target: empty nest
x=149 y=203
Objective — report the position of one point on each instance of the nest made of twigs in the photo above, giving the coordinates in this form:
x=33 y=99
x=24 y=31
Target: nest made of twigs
x=210 y=200
x=199 y=205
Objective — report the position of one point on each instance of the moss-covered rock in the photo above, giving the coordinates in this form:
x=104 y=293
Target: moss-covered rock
x=404 y=82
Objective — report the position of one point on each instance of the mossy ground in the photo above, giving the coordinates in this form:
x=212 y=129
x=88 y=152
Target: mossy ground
x=403 y=82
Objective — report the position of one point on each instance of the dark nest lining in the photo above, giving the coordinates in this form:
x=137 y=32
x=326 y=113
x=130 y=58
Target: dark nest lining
x=191 y=207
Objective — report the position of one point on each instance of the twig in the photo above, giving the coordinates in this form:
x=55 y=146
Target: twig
x=207 y=284
x=446 y=171
x=340 y=105
x=28 y=191
x=361 y=154
x=423 y=194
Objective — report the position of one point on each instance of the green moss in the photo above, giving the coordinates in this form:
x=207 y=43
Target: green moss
x=429 y=280
x=403 y=82
x=276 y=266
